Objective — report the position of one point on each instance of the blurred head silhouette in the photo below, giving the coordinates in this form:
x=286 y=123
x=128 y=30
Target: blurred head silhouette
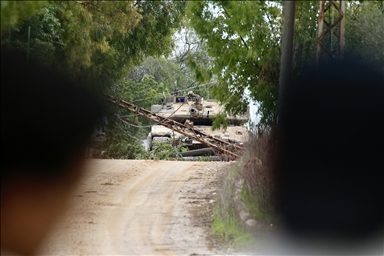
x=332 y=160
x=46 y=121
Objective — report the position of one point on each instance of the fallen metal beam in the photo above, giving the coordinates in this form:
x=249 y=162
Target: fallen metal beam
x=208 y=140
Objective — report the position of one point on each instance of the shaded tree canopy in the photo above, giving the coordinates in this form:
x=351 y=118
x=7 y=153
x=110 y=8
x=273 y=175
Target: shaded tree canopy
x=243 y=42
x=364 y=36
x=13 y=12
x=97 y=42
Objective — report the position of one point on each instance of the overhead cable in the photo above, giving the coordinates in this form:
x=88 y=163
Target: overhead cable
x=147 y=126
x=160 y=93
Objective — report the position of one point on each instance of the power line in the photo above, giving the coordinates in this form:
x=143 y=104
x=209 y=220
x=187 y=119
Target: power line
x=133 y=125
x=160 y=93
x=147 y=126
x=126 y=133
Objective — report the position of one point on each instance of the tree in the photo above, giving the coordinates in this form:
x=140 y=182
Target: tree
x=100 y=40
x=98 y=43
x=172 y=73
x=364 y=36
x=14 y=11
x=120 y=143
x=243 y=40
x=46 y=35
x=305 y=43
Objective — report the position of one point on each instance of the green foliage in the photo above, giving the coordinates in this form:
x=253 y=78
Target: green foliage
x=46 y=35
x=162 y=151
x=144 y=93
x=306 y=29
x=120 y=143
x=242 y=38
x=226 y=227
x=163 y=71
x=258 y=192
x=98 y=42
x=228 y=232
x=169 y=72
x=165 y=151
x=364 y=36
x=220 y=122
x=144 y=86
x=204 y=158
x=252 y=201
x=12 y=12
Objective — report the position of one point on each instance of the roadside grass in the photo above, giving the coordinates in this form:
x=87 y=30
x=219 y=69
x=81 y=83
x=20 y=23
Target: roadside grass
x=251 y=201
x=163 y=151
x=225 y=227
x=259 y=189
x=254 y=169
x=229 y=233
x=204 y=159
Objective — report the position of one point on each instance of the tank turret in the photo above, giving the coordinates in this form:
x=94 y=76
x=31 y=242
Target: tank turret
x=194 y=111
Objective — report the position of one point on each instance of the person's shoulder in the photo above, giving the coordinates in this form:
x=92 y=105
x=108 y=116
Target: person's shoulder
x=5 y=252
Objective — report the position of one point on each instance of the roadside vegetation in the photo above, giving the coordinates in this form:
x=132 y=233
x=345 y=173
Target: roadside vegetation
x=226 y=227
x=243 y=43
x=164 y=151
x=250 y=180
x=259 y=186
x=120 y=48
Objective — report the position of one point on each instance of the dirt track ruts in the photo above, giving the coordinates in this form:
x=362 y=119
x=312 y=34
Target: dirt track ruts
x=131 y=207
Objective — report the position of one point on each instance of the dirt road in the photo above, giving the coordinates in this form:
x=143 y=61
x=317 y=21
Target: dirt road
x=129 y=207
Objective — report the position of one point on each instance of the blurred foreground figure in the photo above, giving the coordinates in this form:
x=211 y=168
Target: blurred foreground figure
x=46 y=122
x=332 y=161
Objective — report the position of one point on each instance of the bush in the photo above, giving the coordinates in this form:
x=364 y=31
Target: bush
x=164 y=151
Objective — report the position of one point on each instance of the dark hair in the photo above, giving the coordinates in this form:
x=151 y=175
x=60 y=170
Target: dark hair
x=46 y=119
x=332 y=152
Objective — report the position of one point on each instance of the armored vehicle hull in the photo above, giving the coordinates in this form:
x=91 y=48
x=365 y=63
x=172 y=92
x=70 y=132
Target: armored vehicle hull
x=193 y=111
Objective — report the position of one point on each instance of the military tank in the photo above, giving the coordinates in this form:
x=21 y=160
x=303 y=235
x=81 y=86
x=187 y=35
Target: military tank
x=194 y=111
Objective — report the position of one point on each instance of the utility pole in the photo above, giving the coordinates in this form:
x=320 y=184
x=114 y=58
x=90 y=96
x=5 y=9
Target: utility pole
x=335 y=27
x=286 y=60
